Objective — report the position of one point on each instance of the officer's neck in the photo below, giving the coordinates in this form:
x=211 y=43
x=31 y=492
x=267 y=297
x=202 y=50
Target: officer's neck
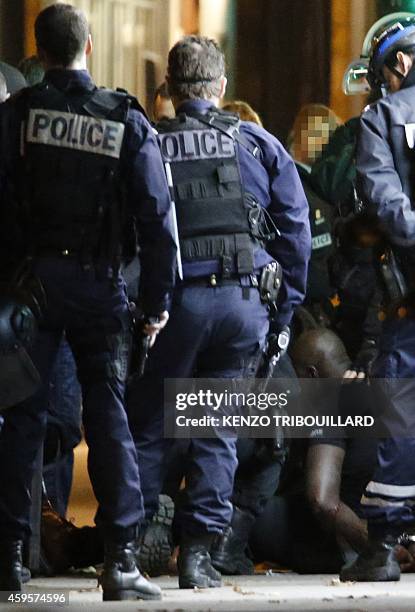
x=177 y=102
x=79 y=64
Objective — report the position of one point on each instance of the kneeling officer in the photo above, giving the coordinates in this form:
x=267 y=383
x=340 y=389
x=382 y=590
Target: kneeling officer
x=69 y=153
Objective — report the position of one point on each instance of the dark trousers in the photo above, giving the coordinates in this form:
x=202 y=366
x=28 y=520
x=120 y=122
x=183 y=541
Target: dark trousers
x=389 y=499
x=212 y=333
x=63 y=428
x=93 y=310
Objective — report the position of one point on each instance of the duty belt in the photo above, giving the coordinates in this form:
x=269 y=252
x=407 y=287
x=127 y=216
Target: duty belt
x=216 y=280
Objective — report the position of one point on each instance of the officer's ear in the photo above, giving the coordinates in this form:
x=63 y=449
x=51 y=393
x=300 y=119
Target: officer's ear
x=223 y=84
x=405 y=62
x=89 y=46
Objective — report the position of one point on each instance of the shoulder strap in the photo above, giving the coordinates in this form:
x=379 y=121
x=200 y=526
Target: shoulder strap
x=106 y=101
x=230 y=128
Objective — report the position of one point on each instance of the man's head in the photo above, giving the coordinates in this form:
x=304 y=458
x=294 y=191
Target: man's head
x=15 y=81
x=196 y=69
x=162 y=106
x=319 y=353
x=4 y=94
x=392 y=56
x=62 y=37
x=398 y=68
x=312 y=130
x=32 y=70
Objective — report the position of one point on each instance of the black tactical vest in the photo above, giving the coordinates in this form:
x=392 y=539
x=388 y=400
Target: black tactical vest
x=216 y=219
x=71 y=150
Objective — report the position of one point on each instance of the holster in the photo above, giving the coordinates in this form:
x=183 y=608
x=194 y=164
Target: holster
x=270 y=283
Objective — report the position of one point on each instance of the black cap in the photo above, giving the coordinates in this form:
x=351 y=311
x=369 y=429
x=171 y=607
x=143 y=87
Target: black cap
x=14 y=79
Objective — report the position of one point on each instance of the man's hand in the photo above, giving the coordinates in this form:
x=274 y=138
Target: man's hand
x=362 y=365
x=354 y=375
x=155 y=327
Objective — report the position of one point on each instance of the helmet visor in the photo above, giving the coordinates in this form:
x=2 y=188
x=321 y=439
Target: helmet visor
x=355 y=78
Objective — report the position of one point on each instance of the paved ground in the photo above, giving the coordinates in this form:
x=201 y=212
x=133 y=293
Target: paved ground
x=277 y=592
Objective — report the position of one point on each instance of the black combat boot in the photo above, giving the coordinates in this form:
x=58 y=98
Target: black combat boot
x=194 y=563
x=121 y=579
x=11 y=565
x=229 y=549
x=376 y=564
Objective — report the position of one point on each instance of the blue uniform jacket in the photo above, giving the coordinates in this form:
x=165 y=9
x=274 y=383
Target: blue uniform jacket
x=146 y=187
x=386 y=162
x=274 y=181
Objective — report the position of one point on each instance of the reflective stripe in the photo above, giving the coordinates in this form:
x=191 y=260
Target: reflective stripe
x=383 y=503
x=410 y=134
x=391 y=490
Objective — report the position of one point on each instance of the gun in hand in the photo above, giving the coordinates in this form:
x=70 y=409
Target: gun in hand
x=142 y=344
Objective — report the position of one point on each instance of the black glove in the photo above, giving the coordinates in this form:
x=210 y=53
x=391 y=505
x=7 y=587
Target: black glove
x=366 y=356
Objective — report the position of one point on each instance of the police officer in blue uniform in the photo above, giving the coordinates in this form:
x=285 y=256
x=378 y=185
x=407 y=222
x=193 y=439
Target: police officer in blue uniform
x=77 y=163
x=226 y=177
x=385 y=166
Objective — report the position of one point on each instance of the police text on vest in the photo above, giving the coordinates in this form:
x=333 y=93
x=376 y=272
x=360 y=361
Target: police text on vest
x=80 y=132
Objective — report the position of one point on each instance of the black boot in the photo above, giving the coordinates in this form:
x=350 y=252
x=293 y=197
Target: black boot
x=229 y=549
x=194 y=563
x=11 y=565
x=376 y=564
x=121 y=579
x=156 y=543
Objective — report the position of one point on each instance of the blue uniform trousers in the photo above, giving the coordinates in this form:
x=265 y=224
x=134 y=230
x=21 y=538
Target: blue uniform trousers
x=63 y=428
x=213 y=332
x=94 y=312
x=389 y=500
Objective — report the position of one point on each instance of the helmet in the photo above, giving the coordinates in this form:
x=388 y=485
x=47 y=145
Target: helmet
x=387 y=35
x=19 y=379
x=400 y=36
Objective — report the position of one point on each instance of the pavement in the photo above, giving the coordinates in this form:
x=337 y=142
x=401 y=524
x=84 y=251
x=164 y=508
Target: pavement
x=260 y=593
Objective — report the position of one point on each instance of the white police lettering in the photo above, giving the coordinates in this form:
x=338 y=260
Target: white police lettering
x=80 y=132
x=320 y=241
x=410 y=134
x=195 y=144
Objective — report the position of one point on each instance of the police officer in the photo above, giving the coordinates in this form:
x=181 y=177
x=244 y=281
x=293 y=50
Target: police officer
x=225 y=174
x=76 y=163
x=385 y=166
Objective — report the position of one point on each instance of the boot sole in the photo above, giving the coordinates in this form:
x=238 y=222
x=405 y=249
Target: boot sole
x=381 y=574
x=126 y=595
x=155 y=550
x=165 y=512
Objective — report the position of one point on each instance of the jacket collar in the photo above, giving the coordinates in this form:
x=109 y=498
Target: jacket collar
x=66 y=80
x=196 y=106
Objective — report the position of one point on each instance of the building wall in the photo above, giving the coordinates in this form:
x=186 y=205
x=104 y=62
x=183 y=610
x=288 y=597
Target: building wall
x=131 y=40
x=11 y=28
x=282 y=58
x=132 y=37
